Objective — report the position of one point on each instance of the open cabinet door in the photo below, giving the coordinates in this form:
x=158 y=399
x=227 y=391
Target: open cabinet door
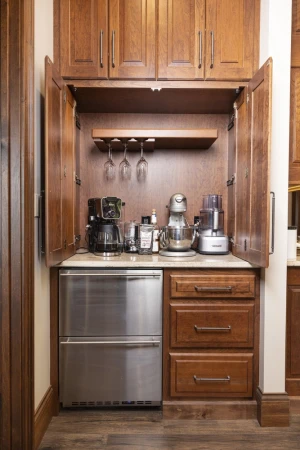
x=59 y=167
x=253 y=138
x=260 y=115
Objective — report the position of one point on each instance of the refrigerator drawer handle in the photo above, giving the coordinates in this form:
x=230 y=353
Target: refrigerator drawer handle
x=113 y=342
x=109 y=275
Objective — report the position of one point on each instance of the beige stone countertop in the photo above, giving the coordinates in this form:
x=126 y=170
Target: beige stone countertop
x=294 y=263
x=156 y=261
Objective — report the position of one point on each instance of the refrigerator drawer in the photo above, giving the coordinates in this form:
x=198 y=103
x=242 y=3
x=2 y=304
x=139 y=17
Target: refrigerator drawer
x=110 y=302
x=115 y=371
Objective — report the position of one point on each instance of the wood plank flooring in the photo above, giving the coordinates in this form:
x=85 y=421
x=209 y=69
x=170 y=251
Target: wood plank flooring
x=147 y=430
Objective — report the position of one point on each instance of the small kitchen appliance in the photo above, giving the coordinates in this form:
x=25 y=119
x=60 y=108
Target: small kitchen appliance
x=104 y=237
x=177 y=238
x=212 y=240
x=131 y=234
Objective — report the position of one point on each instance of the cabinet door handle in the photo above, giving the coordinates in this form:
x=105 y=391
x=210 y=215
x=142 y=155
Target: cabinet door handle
x=273 y=224
x=212 y=50
x=213 y=288
x=212 y=328
x=200 y=49
x=101 y=48
x=227 y=379
x=113 y=49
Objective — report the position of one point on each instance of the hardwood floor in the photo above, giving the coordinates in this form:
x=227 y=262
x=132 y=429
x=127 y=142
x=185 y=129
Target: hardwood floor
x=146 y=430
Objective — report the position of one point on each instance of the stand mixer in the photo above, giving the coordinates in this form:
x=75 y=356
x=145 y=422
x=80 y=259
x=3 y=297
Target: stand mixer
x=177 y=238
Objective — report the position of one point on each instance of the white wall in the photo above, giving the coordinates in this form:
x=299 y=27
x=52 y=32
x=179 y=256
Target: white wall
x=43 y=35
x=275 y=41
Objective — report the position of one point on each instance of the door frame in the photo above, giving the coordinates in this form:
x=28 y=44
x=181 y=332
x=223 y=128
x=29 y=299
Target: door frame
x=17 y=225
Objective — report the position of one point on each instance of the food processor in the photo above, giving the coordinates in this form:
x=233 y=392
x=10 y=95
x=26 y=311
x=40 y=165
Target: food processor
x=212 y=240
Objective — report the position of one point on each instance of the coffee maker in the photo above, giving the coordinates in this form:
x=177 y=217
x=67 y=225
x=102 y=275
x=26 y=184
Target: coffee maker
x=104 y=237
x=212 y=240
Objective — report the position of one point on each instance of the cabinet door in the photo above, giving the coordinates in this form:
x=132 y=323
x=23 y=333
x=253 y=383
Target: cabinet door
x=253 y=170
x=231 y=39
x=295 y=57
x=181 y=39
x=293 y=337
x=294 y=172
x=59 y=167
x=83 y=38
x=132 y=29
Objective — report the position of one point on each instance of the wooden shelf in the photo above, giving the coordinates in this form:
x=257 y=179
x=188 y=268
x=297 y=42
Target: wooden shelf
x=199 y=139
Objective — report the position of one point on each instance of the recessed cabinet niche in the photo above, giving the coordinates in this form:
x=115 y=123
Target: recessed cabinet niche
x=195 y=39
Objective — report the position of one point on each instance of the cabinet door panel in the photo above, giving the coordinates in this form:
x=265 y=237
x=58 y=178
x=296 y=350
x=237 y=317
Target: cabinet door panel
x=294 y=167
x=260 y=113
x=83 y=31
x=242 y=181
x=293 y=332
x=295 y=57
x=230 y=39
x=132 y=39
x=69 y=134
x=181 y=39
x=53 y=165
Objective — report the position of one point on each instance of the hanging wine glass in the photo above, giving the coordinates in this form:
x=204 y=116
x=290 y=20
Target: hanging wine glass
x=125 y=167
x=142 y=165
x=109 y=166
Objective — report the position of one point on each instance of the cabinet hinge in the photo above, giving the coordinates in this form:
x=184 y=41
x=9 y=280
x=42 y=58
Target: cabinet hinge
x=65 y=171
x=248 y=98
x=246 y=172
x=232 y=240
x=245 y=244
x=232 y=180
x=77 y=180
x=65 y=244
x=77 y=238
x=65 y=96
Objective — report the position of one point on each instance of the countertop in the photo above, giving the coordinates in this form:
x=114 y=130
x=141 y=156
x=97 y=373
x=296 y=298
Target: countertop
x=294 y=263
x=134 y=260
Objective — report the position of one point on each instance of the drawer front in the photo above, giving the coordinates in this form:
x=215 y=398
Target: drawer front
x=211 y=375
x=211 y=325
x=212 y=286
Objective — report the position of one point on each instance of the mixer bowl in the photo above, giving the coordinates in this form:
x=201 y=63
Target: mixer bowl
x=177 y=239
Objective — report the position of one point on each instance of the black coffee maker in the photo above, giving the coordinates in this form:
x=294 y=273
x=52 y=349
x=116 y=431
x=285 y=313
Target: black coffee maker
x=104 y=237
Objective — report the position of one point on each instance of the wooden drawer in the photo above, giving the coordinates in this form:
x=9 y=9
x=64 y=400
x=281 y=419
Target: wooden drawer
x=212 y=286
x=211 y=375
x=211 y=325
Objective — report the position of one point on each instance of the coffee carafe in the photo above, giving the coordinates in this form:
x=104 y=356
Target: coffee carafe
x=104 y=236
x=212 y=240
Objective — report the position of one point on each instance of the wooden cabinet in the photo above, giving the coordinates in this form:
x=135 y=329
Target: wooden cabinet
x=208 y=39
x=196 y=39
x=210 y=342
x=295 y=56
x=294 y=165
x=59 y=168
x=83 y=38
x=293 y=332
x=90 y=46
x=253 y=131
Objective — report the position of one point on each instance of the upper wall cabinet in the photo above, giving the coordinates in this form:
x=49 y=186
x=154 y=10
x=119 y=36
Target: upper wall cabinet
x=90 y=48
x=196 y=39
x=208 y=39
x=295 y=57
x=294 y=172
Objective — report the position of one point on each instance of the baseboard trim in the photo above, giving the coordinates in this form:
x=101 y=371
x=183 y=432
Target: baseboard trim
x=273 y=410
x=294 y=405
x=210 y=410
x=292 y=386
x=43 y=416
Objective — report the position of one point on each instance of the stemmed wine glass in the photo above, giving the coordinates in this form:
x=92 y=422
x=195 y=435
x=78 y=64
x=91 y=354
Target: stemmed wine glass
x=142 y=165
x=109 y=166
x=125 y=167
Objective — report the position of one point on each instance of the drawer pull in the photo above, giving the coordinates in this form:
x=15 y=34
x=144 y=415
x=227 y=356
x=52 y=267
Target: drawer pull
x=196 y=379
x=212 y=289
x=212 y=328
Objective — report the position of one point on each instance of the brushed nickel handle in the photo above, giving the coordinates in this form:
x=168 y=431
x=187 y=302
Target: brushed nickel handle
x=117 y=275
x=227 y=379
x=273 y=224
x=101 y=48
x=113 y=48
x=212 y=50
x=212 y=328
x=212 y=289
x=200 y=49
x=112 y=342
